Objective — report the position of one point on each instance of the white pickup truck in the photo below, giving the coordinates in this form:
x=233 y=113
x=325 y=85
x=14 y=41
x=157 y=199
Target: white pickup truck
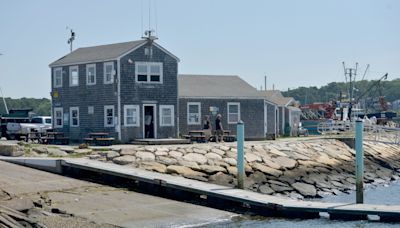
x=37 y=124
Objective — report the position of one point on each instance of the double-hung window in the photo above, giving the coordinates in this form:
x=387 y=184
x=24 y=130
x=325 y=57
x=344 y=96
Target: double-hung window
x=73 y=76
x=131 y=115
x=109 y=116
x=233 y=112
x=74 y=116
x=58 y=117
x=148 y=72
x=57 y=77
x=108 y=73
x=91 y=74
x=193 y=113
x=167 y=115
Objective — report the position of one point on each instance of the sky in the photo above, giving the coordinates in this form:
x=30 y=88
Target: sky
x=294 y=43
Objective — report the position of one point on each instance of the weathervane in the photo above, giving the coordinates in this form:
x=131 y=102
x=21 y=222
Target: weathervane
x=71 y=39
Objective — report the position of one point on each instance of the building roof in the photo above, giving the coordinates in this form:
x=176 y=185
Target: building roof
x=98 y=53
x=276 y=97
x=215 y=86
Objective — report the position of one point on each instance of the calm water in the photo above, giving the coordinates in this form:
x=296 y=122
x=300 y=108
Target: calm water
x=381 y=195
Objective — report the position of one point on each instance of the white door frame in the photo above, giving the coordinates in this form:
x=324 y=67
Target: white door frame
x=154 y=121
x=265 y=119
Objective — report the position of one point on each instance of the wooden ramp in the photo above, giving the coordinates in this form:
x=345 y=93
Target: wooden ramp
x=221 y=197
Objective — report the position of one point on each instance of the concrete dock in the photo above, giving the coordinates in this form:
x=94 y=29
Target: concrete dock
x=106 y=206
x=210 y=195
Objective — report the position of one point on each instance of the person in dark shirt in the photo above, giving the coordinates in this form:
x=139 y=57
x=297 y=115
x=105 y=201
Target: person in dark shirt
x=219 y=129
x=207 y=127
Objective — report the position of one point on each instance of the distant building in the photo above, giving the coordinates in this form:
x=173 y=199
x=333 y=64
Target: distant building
x=288 y=112
x=230 y=96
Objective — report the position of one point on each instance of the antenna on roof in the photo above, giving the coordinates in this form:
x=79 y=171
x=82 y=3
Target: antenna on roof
x=71 y=38
x=150 y=33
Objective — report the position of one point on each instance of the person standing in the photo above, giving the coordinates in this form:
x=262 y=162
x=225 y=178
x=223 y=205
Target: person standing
x=207 y=127
x=219 y=129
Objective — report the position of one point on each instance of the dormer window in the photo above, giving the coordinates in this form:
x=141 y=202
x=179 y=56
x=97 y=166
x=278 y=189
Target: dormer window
x=148 y=72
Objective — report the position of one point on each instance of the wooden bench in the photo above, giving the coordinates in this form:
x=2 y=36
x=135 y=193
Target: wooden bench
x=229 y=138
x=104 y=141
x=88 y=141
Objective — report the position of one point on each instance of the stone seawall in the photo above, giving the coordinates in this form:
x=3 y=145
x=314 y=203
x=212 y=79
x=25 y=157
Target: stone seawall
x=297 y=169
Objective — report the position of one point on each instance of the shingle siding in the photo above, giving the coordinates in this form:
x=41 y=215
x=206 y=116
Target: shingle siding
x=251 y=113
x=132 y=93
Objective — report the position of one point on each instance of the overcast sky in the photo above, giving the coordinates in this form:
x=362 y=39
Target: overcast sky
x=295 y=43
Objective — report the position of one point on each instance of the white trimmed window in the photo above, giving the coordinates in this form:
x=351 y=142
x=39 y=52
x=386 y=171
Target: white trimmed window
x=109 y=116
x=131 y=115
x=74 y=116
x=148 y=72
x=73 y=76
x=108 y=73
x=91 y=74
x=90 y=110
x=57 y=77
x=58 y=117
x=193 y=113
x=233 y=112
x=167 y=115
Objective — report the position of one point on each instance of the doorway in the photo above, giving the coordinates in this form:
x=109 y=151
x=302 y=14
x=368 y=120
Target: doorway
x=149 y=121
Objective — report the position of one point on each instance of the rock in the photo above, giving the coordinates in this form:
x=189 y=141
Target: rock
x=213 y=156
x=278 y=183
x=218 y=151
x=232 y=170
x=94 y=156
x=267 y=170
x=224 y=148
x=198 y=158
x=175 y=154
x=161 y=153
x=124 y=160
x=222 y=179
x=184 y=171
x=162 y=149
x=212 y=169
x=69 y=150
x=285 y=162
x=307 y=190
x=127 y=151
x=167 y=160
x=271 y=163
x=258 y=177
x=111 y=155
x=150 y=149
x=145 y=156
x=18 y=204
x=265 y=189
x=231 y=154
x=279 y=188
x=55 y=152
x=275 y=151
x=251 y=157
x=154 y=166
x=191 y=164
x=230 y=161
x=199 y=151
x=84 y=151
x=295 y=195
x=39 y=149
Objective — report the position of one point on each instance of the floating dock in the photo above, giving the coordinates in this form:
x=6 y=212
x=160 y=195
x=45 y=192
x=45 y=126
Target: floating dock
x=216 y=196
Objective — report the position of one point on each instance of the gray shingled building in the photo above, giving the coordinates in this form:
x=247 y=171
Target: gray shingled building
x=130 y=90
x=126 y=89
x=230 y=96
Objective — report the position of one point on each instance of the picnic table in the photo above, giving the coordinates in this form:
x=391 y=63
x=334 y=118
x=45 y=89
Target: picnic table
x=54 y=137
x=99 y=139
x=227 y=137
x=197 y=136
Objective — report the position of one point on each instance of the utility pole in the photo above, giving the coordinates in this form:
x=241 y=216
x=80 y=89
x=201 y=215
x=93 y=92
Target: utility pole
x=350 y=72
x=265 y=82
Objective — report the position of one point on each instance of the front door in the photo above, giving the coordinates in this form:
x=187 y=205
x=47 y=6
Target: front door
x=149 y=121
